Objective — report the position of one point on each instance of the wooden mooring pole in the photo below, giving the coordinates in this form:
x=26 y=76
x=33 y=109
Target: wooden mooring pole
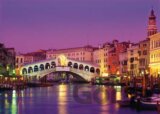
x=158 y=107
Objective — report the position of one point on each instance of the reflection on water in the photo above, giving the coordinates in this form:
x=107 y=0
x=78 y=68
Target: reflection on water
x=118 y=92
x=62 y=99
x=14 y=103
x=103 y=95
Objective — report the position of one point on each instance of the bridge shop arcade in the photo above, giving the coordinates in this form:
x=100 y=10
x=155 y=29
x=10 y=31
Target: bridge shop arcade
x=40 y=69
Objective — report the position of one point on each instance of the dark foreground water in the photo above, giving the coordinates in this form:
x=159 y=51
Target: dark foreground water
x=66 y=99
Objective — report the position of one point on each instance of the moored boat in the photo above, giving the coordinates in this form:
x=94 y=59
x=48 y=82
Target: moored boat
x=148 y=103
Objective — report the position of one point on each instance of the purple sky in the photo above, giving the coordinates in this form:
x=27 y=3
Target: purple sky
x=29 y=25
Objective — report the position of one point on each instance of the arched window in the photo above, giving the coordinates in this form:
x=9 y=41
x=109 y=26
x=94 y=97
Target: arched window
x=53 y=64
x=92 y=69
x=70 y=64
x=97 y=71
x=86 y=68
x=75 y=66
x=30 y=70
x=47 y=66
x=24 y=71
x=35 y=68
x=80 y=67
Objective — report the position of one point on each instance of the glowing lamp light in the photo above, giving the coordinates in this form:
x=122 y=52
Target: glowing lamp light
x=118 y=73
x=142 y=72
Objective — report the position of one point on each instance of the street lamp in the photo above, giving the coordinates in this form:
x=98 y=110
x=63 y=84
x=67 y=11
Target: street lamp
x=118 y=73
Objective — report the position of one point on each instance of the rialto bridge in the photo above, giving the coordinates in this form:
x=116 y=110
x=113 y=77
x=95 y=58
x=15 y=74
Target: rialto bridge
x=85 y=71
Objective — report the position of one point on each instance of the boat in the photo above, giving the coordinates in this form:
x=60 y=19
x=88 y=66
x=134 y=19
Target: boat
x=148 y=103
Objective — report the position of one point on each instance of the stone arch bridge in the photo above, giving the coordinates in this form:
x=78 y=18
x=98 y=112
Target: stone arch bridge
x=40 y=69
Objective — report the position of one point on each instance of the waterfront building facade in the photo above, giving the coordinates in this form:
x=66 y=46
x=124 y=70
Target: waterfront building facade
x=113 y=59
x=23 y=59
x=100 y=58
x=133 y=60
x=155 y=54
x=123 y=59
x=113 y=56
x=144 y=57
x=154 y=38
x=107 y=57
x=7 y=60
x=84 y=54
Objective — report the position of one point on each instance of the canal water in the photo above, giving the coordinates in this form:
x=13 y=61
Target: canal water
x=66 y=99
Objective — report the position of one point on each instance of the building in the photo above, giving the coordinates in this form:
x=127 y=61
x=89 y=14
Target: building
x=133 y=59
x=113 y=59
x=123 y=59
x=152 y=27
x=113 y=56
x=155 y=54
x=144 y=56
x=84 y=54
x=22 y=59
x=154 y=38
x=107 y=56
x=100 y=57
x=7 y=60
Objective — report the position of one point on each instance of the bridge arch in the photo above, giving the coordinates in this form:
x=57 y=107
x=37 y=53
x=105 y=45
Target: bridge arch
x=92 y=69
x=86 y=68
x=30 y=70
x=81 y=67
x=24 y=71
x=47 y=66
x=53 y=64
x=98 y=71
x=36 y=68
x=75 y=65
x=70 y=64
x=68 y=75
x=41 y=67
